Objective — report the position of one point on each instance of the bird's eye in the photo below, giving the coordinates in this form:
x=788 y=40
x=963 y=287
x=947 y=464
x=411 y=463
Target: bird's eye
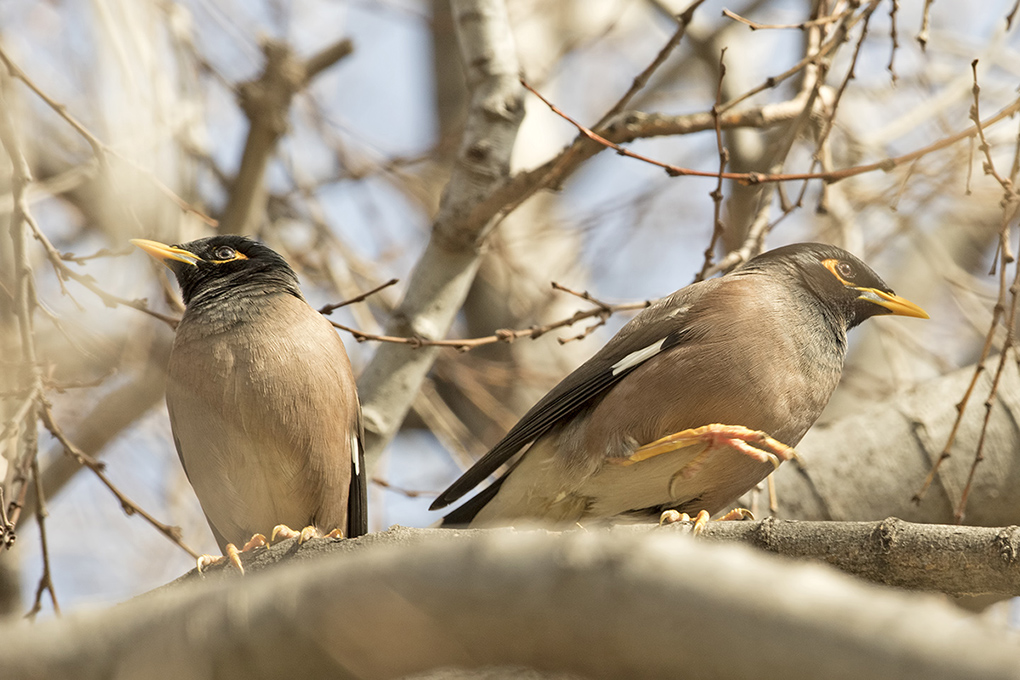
x=845 y=270
x=224 y=253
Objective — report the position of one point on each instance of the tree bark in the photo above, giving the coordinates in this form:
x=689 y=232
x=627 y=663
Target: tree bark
x=869 y=465
x=440 y=281
x=599 y=604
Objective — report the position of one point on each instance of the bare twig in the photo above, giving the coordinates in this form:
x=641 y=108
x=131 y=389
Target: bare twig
x=102 y=252
x=7 y=533
x=821 y=21
x=716 y=194
x=410 y=493
x=129 y=506
x=1009 y=17
x=46 y=579
x=101 y=150
x=584 y=295
x=64 y=272
x=893 y=9
x=826 y=48
x=759 y=178
x=25 y=303
x=850 y=75
x=924 y=33
x=329 y=309
x=642 y=78
x=502 y=335
x=1010 y=207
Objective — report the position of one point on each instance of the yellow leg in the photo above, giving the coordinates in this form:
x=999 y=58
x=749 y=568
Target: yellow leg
x=765 y=449
x=773 y=499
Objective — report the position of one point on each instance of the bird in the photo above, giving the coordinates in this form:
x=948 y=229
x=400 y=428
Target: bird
x=691 y=404
x=262 y=399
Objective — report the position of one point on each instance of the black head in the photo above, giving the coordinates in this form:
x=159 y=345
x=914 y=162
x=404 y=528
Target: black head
x=217 y=267
x=841 y=282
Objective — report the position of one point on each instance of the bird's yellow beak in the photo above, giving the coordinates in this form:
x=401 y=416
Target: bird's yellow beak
x=163 y=252
x=894 y=303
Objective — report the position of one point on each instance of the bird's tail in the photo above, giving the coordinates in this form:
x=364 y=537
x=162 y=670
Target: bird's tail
x=463 y=515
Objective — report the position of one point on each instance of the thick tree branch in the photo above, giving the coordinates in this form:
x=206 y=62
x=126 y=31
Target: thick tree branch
x=869 y=464
x=598 y=604
x=949 y=559
x=437 y=287
x=943 y=558
x=266 y=103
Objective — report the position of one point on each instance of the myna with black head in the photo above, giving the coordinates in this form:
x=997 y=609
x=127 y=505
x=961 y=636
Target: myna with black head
x=694 y=401
x=262 y=400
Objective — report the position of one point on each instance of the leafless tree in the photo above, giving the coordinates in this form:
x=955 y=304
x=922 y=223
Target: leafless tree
x=531 y=173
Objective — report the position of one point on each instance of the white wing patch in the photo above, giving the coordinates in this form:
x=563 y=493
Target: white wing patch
x=355 y=458
x=640 y=356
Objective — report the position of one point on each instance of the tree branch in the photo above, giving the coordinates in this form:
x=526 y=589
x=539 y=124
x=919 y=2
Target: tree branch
x=440 y=281
x=266 y=103
x=598 y=604
x=868 y=465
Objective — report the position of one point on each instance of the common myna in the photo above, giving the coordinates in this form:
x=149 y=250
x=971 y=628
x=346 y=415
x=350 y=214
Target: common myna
x=694 y=401
x=262 y=400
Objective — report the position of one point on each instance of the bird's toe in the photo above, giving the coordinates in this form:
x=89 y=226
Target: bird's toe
x=282 y=532
x=205 y=561
x=256 y=541
x=307 y=533
x=700 y=520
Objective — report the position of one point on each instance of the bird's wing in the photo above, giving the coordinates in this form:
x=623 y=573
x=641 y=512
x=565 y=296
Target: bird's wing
x=177 y=442
x=665 y=324
x=220 y=541
x=357 y=498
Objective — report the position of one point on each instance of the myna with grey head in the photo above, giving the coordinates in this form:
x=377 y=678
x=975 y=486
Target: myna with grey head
x=694 y=401
x=262 y=400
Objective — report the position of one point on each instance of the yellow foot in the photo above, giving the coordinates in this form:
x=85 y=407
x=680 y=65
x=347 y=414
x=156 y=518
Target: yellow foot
x=256 y=541
x=765 y=449
x=702 y=519
x=232 y=554
x=736 y=514
x=206 y=561
x=282 y=531
x=673 y=517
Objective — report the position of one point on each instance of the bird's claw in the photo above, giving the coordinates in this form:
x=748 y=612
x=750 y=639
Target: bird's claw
x=203 y=562
x=256 y=541
x=674 y=517
x=282 y=531
x=736 y=514
x=702 y=518
x=232 y=554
